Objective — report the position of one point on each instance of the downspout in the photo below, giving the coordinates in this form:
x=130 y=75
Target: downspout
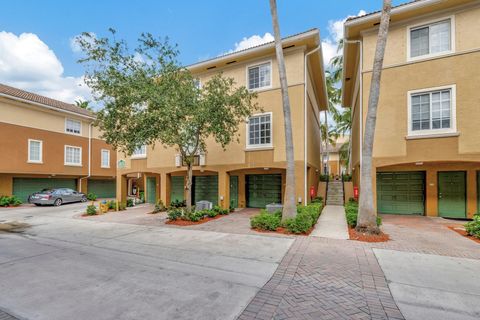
x=89 y=155
x=305 y=73
x=360 y=43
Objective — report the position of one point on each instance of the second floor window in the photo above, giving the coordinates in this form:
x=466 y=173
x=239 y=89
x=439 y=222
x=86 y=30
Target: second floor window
x=259 y=76
x=73 y=156
x=430 y=39
x=73 y=126
x=105 y=161
x=140 y=152
x=34 y=151
x=260 y=130
x=432 y=111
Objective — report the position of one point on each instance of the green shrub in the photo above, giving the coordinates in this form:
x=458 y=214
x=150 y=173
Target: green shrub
x=112 y=205
x=4 y=201
x=266 y=221
x=347 y=177
x=317 y=200
x=122 y=206
x=473 y=227
x=210 y=213
x=91 y=196
x=351 y=212
x=174 y=214
x=220 y=210
x=91 y=210
x=13 y=201
x=159 y=207
x=130 y=202
x=177 y=204
x=231 y=209
x=306 y=218
x=324 y=177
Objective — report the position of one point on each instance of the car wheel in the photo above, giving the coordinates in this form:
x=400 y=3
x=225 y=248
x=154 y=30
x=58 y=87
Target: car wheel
x=84 y=199
x=57 y=202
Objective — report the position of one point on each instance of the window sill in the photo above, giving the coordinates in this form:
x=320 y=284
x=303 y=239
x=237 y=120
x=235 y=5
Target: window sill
x=432 y=136
x=35 y=162
x=105 y=167
x=430 y=56
x=265 y=148
x=260 y=89
x=72 y=165
x=138 y=157
x=73 y=133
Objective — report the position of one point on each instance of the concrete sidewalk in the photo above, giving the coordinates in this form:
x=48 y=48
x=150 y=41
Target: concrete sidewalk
x=332 y=223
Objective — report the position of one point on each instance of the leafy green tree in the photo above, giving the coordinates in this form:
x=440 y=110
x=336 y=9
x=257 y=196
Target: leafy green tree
x=149 y=99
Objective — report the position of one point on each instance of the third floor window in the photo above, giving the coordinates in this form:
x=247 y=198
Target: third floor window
x=431 y=39
x=259 y=76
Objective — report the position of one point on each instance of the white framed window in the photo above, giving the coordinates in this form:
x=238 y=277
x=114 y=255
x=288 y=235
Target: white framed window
x=73 y=156
x=35 y=151
x=140 y=152
x=259 y=131
x=431 y=39
x=105 y=158
x=73 y=126
x=259 y=76
x=432 y=111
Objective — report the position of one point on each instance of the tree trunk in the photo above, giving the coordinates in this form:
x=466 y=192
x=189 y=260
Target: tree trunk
x=188 y=186
x=289 y=205
x=367 y=215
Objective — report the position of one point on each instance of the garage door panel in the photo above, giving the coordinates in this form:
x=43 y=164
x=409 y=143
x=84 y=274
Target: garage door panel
x=263 y=189
x=105 y=188
x=401 y=192
x=205 y=188
x=23 y=187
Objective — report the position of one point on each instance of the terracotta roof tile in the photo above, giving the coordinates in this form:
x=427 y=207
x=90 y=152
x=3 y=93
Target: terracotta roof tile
x=33 y=97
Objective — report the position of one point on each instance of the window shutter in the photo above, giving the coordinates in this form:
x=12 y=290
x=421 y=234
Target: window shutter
x=178 y=160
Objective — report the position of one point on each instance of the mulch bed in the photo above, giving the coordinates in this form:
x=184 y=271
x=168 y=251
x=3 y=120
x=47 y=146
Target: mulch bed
x=283 y=230
x=190 y=223
x=464 y=233
x=358 y=236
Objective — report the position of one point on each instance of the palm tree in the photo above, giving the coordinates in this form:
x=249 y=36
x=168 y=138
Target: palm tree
x=289 y=207
x=367 y=216
x=84 y=104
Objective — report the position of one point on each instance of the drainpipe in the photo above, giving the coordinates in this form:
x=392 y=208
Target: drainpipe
x=360 y=43
x=305 y=187
x=89 y=155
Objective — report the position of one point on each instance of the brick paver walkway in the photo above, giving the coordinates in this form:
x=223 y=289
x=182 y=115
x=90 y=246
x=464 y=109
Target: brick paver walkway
x=323 y=278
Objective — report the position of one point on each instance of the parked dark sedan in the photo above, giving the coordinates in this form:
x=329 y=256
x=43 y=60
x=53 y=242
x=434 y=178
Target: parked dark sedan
x=56 y=197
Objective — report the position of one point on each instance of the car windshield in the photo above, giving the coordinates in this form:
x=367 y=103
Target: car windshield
x=47 y=191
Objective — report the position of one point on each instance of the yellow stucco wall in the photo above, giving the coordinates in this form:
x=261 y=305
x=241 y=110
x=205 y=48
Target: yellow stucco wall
x=393 y=149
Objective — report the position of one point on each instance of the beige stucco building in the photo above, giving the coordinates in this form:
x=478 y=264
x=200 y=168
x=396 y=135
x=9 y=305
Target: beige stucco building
x=427 y=147
x=250 y=173
x=48 y=143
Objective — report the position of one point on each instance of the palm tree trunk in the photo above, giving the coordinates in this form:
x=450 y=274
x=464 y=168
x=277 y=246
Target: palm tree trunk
x=289 y=206
x=367 y=215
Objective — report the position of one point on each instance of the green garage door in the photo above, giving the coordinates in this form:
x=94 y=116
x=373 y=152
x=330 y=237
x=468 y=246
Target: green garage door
x=401 y=192
x=205 y=188
x=176 y=188
x=23 y=187
x=263 y=189
x=102 y=188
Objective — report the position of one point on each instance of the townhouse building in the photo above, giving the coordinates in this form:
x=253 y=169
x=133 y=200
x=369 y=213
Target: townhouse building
x=47 y=143
x=250 y=173
x=426 y=152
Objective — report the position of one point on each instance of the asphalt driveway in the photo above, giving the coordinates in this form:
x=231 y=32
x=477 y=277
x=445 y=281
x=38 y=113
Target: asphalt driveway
x=65 y=268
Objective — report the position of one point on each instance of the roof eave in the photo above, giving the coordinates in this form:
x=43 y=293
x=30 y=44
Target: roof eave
x=239 y=54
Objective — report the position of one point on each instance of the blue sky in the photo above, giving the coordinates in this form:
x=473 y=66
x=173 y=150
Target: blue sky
x=202 y=29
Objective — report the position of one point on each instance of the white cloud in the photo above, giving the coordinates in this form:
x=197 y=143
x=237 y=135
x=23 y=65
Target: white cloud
x=335 y=30
x=26 y=62
x=252 y=41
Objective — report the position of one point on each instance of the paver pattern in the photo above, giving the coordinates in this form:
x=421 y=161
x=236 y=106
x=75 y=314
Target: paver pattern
x=322 y=278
